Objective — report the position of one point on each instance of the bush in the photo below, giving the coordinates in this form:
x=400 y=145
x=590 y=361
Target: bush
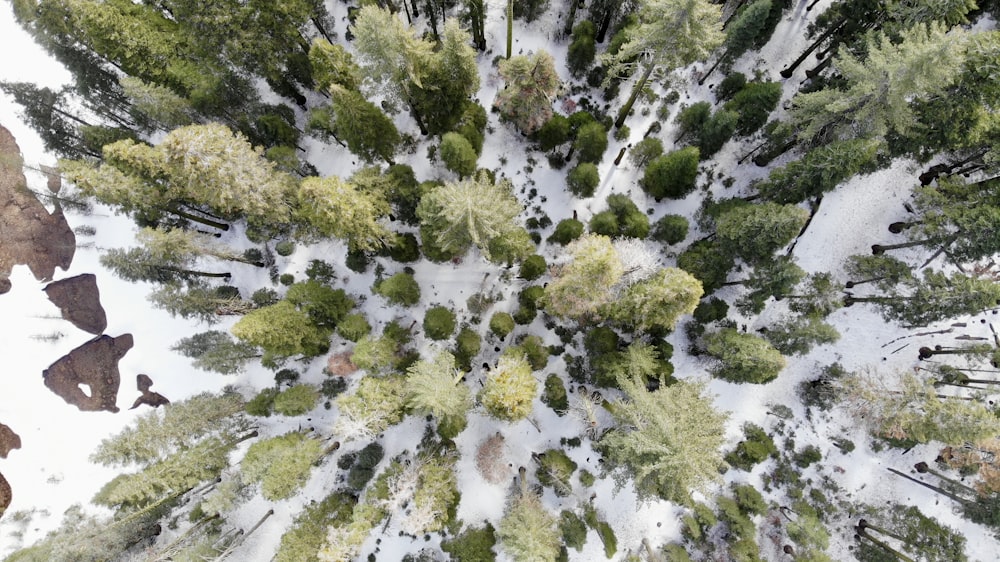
x=501 y=324
x=286 y=279
x=807 y=456
x=755 y=448
x=749 y=499
x=467 y=345
x=354 y=327
x=591 y=142
x=439 y=323
x=333 y=387
x=583 y=48
x=670 y=229
x=604 y=223
x=535 y=351
x=554 y=394
x=716 y=132
x=364 y=464
x=573 y=530
x=672 y=175
x=474 y=545
x=261 y=404
x=711 y=310
x=583 y=179
x=284 y=248
x=296 y=400
x=691 y=120
x=288 y=376
x=555 y=470
x=530 y=296
x=567 y=230
x=533 y=267
x=264 y=297
x=401 y=289
x=601 y=341
x=554 y=132
x=458 y=154
x=645 y=151
x=730 y=85
x=357 y=261
x=321 y=271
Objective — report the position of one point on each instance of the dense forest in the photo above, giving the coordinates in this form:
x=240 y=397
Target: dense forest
x=528 y=278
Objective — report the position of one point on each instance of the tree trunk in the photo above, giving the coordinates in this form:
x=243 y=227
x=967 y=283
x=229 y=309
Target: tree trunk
x=862 y=532
x=814 y=71
x=937 y=170
x=571 y=17
x=879 y=249
x=709 y=72
x=623 y=113
x=602 y=30
x=194 y=218
x=923 y=468
x=196 y=273
x=510 y=27
x=790 y=69
x=852 y=284
x=936 y=489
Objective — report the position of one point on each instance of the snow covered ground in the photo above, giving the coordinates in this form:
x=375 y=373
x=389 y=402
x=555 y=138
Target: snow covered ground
x=51 y=472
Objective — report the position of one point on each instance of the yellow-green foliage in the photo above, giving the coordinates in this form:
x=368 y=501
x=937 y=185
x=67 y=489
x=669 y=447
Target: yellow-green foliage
x=510 y=389
x=281 y=464
x=375 y=405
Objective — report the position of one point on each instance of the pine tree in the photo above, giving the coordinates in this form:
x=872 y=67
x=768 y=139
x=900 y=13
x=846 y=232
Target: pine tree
x=934 y=298
x=376 y=404
x=884 y=271
x=741 y=34
x=342 y=209
x=755 y=232
x=158 y=103
x=656 y=303
x=743 y=358
x=820 y=170
x=458 y=154
x=470 y=212
x=958 y=216
x=281 y=464
x=183 y=247
x=139 y=264
x=671 y=175
x=448 y=81
x=667 y=441
x=333 y=65
x=531 y=83
x=510 y=388
x=798 y=336
x=435 y=387
x=670 y=34
x=775 y=278
x=282 y=330
x=583 y=285
x=199 y=301
x=362 y=125
x=216 y=351
x=528 y=532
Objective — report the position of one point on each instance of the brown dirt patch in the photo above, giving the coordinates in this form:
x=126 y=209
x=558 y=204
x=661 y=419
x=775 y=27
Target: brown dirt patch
x=79 y=301
x=31 y=236
x=8 y=440
x=94 y=365
x=340 y=364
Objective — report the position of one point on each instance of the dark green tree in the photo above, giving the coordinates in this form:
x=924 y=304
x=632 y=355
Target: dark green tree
x=672 y=175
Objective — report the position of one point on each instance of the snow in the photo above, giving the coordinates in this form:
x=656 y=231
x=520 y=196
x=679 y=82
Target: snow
x=51 y=471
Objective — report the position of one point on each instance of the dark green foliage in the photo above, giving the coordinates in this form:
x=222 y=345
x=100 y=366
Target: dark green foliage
x=364 y=466
x=573 y=530
x=529 y=10
x=601 y=341
x=472 y=125
x=591 y=142
x=707 y=262
x=583 y=179
x=333 y=387
x=439 y=323
x=363 y=126
x=535 y=351
x=754 y=103
x=566 y=231
x=261 y=404
x=578 y=119
x=755 y=232
x=819 y=171
x=530 y=296
x=622 y=219
x=404 y=191
x=357 y=261
x=302 y=541
x=821 y=391
x=670 y=229
x=320 y=271
x=533 y=267
x=775 y=278
x=555 y=470
x=501 y=324
x=645 y=151
x=354 y=327
x=264 y=297
x=716 y=131
x=755 y=448
x=404 y=248
x=458 y=154
x=749 y=499
x=401 y=288
x=553 y=133
x=289 y=376
x=798 y=336
x=922 y=537
x=554 y=394
x=711 y=310
x=582 y=48
x=692 y=119
x=807 y=456
x=472 y=545
x=325 y=306
x=604 y=530
x=730 y=85
x=467 y=345
x=672 y=175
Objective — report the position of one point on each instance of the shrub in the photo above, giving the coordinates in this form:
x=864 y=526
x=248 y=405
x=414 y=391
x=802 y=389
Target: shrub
x=261 y=404
x=296 y=400
x=591 y=142
x=284 y=248
x=357 y=261
x=401 y=289
x=286 y=279
x=264 y=297
x=533 y=267
x=475 y=544
x=672 y=175
x=286 y=376
x=670 y=229
x=458 y=154
x=535 y=351
x=604 y=223
x=755 y=448
x=554 y=394
x=354 y=327
x=554 y=132
x=645 y=151
x=364 y=464
x=749 y=499
x=524 y=316
x=467 y=345
x=807 y=456
x=573 y=530
x=319 y=270
x=501 y=324
x=530 y=296
x=567 y=230
x=439 y=323
x=583 y=179
x=404 y=248
x=743 y=358
x=730 y=85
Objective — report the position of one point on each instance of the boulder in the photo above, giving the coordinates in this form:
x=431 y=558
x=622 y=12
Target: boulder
x=8 y=440
x=148 y=397
x=79 y=301
x=93 y=365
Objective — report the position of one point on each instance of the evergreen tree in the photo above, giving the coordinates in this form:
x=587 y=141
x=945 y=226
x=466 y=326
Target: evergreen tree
x=531 y=84
x=582 y=180
x=324 y=305
x=553 y=133
x=458 y=154
x=591 y=142
x=281 y=464
x=158 y=103
x=471 y=212
x=743 y=357
x=741 y=34
x=184 y=247
x=958 y=216
x=342 y=209
x=362 y=125
x=448 y=80
x=583 y=285
x=434 y=386
x=439 y=323
x=656 y=303
x=819 y=171
x=934 y=298
x=333 y=65
x=528 y=532
x=667 y=441
x=282 y=330
x=198 y=300
x=755 y=232
x=672 y=175
x=884 y=271
x=510 y=388
x=139 y=264
x=775 y=278
x=582 y=49
x=216 y=351
x=401 y=288
x=798 y=336
x=376 y=404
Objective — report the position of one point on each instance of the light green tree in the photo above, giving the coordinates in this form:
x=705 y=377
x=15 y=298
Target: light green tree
x=199 y=301
x=158 y=103
x=584 y=284
x=281 y=464
x=333 y=64
x=333 y=207
x=282 y=330
x=743 y=357
x=376 y=404
x=528 y=532
x=656 y=303
x=458 y=154
x=401 y=288
x=434 y=386
x=510 y=388
x=447 y=82
x=755 y=232
x=471 y=212
x=216 y=351
x=799 y=335
x=296 y=400
x=667 y=441
x=177 y=245
x=935 y=297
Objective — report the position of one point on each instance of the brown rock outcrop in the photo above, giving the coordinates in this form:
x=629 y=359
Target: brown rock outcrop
x=31 y=236
x=5 y=495
x=8 y=440
x=79 y=301
x=148 y=397
x=94 y=365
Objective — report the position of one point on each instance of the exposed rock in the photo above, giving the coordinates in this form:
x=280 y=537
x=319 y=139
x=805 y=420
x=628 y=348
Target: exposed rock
x=340 y=364
x=154 y=399
x=94 y=365
x=53 y=180
x=31 y=236
x=5 y=495
x=79 y=301
x=8 y=440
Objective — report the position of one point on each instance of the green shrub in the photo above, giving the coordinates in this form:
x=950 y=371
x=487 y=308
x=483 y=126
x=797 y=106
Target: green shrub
x=604 y=223
x=755 y=448
x=711 y=310
x=284 y=376
x=403 y=249
x=645 y=151
x=555 y=470
x=591 y=142
x=749 y=499
x=467 y=345
x=286 y=279
x=458 y=154
x=573 y=530
x=533 y=267
x=354 y=327
x=357 y=261
x=586 y=478
x=296 y=400
x=324 y=305
x=261 y=404
x=401 y=289
x=439 y=323
x=670 y=229
x=264 y=297
x=535 y=350
x=501 y=324
x=554 y=394
x=530 y=296
x=524 y=316
x=363 y=468
x=319 y=270
x=333 y=386
x=473 y=544
x=554 y=132
x=567 y=230
x=284 y=248
x=672 y=175
x=808 y=456
x=583 y=179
